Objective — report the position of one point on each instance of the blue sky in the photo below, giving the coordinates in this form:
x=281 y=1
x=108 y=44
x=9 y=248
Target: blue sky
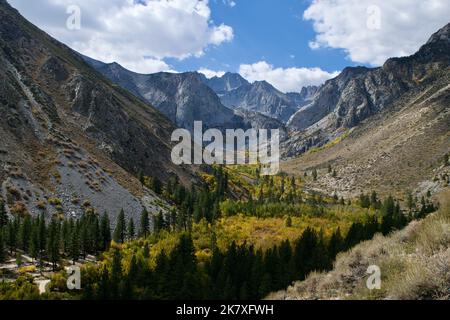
x=263 y=31
x=289 y=43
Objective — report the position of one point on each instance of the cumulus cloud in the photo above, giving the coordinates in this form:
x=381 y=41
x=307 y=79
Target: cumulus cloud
x=286 y=80
x=371 y=31
x=138 y=34
x=211 y=73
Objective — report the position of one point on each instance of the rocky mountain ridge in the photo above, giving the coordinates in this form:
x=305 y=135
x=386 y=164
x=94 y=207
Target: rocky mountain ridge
x=70 y=140
x=358 y=93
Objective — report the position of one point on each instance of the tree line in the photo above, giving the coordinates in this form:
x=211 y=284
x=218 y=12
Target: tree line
x=239 y=272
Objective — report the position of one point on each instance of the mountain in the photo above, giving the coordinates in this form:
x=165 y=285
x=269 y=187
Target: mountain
x=235 y=92
x=228 y=82
x=384 y=129
x=357 y=93
x=70 y=140
x=257 y=120
x=304 y=96
x=182 y=97
x=262 y=97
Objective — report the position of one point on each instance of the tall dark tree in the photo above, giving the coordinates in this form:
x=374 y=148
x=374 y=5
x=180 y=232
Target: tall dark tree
x=11 y=231
x=3 y=214
x=116 y=272
x=2 y=247
x=34 y=241
x=25 y=233
x=120 y=232
x=156 y=185
x=53 y=243
x=131 y=230
x=42 y=235
x=105 y=231
x=75 y=245
x=335 y=244
x=144 y=229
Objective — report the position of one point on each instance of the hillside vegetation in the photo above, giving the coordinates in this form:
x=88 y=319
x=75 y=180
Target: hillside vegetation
x=414 y=263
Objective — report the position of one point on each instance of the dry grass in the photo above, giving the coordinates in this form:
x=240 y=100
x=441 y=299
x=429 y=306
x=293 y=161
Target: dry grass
x=414 y=263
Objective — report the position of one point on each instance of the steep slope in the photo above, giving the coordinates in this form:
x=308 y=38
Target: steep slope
x=358 y=93
x=69 y=139
x=414 y=265
x=182 y=97
x=386 y=129
x=396 y=150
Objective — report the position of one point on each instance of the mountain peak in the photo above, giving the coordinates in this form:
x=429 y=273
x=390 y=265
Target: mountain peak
x=442 y=35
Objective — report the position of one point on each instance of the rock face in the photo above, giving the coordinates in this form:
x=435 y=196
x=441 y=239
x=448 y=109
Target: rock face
x=182 y=97
x=64 y=122
x=228 y=82
x=359 y=93
x=259 y=121
x=237 y=93
x=260 y=97
x=385 y=129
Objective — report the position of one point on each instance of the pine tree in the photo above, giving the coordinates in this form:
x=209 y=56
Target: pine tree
x=105 y=231
x=53 y=243
x=388 y=212
x=157 y=185
x=12 y=236
x=65 y=236
x=3 y=214
x=131 y=230
x=304 y=258
x=34 y=242
x=144 y=229
x=103 y=286
x=2 y=247
x=288 y=222
x=42 y=235
x=374 y=202
x=84 y=238
x=75 y=245
x=141 y=177
x=335 y=244
x=146 y=251
x=116 y=272
x=120 y=231
x=25 y=233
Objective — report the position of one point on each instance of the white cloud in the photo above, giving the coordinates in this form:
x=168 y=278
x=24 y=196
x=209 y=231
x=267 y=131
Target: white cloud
x=371 y=31
x=136 y=34
x=286 y=80
x=210 y=73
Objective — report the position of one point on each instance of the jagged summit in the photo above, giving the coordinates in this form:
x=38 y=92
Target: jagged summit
x=443 y=35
